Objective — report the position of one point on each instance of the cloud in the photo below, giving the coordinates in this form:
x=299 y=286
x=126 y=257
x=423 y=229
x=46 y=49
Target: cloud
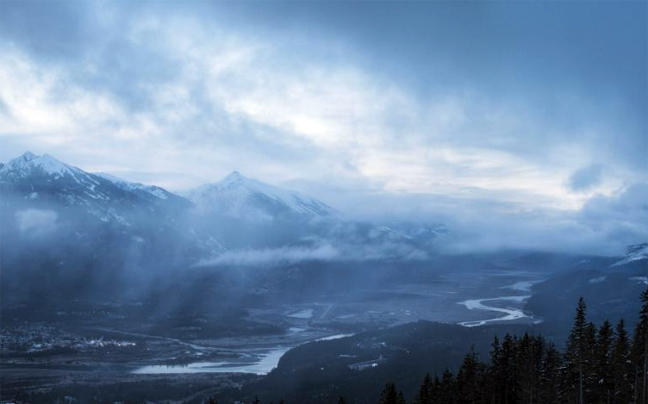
x=178 y=95
x=628 y=208
x=586 y=178
x=271 y=257
x=605 y=225
x=36 y=222
x=620 y=219
x=275 y=106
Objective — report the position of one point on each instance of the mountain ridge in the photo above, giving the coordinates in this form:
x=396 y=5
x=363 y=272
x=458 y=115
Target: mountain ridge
x=238 y=196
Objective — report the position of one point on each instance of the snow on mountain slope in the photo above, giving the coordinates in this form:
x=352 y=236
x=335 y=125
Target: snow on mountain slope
x=242 y=197
x=46 y=180
x=636 y=252
x=98 y=211
x=236 y=212
x=30 y=167
x=44 y=174
x=137 y=187
x=246 y=209
x=28 y=162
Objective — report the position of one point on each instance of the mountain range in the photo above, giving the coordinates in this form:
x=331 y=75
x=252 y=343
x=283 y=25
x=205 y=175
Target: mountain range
x=85 y=231
x=62 y=218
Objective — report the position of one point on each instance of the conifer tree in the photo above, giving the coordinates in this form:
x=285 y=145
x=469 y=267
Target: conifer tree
x=426 y=391
x=390 y=395
x=621 y=367
x=436 y=390
x=401 y=398
x=576 y=355
x=603 y=389
x=640 y=352
x=590 y=379
x=529 y=364
x=446 y=391
x=509 y=353
x=470 y=378
x=495 y=377
x=550 y=376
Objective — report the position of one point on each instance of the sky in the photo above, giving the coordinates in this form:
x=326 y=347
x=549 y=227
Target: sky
x=516 y=124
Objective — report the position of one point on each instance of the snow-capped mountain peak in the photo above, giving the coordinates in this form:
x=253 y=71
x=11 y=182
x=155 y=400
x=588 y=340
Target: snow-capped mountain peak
x=239 y=196
x=233 y=177
x=38 y=177
x=29 y=163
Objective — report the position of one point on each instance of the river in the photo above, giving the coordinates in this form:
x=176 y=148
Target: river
x=263 y=361
x=267 y=361
x=510 y=313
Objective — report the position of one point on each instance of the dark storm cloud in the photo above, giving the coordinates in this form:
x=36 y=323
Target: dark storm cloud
x=473 y=109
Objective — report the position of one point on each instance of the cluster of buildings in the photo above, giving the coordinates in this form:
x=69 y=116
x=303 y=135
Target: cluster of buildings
x=43 y=338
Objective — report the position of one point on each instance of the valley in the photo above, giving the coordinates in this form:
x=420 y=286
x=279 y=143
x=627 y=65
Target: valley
x=116 y=291
x=48 y=356
x=323 y=202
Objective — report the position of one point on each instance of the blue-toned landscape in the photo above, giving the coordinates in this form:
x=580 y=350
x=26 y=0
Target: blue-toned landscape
x=323 y=202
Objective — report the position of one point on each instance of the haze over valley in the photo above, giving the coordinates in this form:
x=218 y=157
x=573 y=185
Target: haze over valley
x=102 y=273
x=323 y=202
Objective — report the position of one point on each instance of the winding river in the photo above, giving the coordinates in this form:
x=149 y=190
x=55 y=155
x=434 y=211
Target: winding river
x=261 y=362
x=510 y=313
x=266 y=362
